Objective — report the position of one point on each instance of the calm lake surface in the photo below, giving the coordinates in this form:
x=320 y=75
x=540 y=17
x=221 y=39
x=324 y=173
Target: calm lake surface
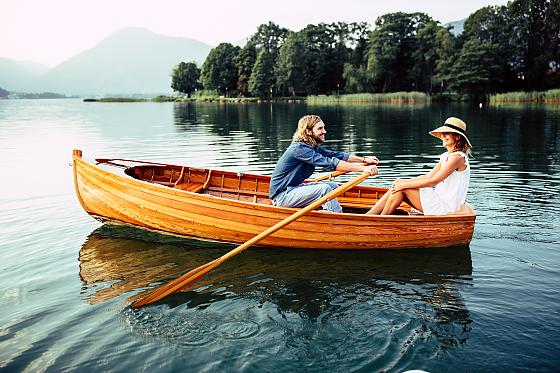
x=66 y=280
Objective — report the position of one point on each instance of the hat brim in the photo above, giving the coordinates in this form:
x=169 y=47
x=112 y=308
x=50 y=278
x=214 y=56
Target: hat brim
x=437 y=133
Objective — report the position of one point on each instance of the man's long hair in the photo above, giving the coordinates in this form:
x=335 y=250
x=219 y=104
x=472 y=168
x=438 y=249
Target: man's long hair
x=306 y=123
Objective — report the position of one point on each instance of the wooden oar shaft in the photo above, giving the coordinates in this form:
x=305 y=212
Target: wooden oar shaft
x=328 y=176
x=196 y=273
x=331 y=175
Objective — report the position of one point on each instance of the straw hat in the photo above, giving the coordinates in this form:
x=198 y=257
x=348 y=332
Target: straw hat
x=452 y=124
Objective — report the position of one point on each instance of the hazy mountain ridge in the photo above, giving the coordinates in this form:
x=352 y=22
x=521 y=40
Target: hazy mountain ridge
x=19 y=75
x=129 y=61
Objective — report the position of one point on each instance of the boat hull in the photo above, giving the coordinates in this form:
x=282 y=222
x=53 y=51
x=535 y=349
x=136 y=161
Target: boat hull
x=120 y=198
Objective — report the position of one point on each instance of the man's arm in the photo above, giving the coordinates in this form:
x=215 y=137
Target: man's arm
x=320 y=158
x=357 y=167
x=352 y=158
x=368 y=159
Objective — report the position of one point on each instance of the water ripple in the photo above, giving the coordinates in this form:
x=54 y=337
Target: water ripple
x=198 y=328
x=238 y=329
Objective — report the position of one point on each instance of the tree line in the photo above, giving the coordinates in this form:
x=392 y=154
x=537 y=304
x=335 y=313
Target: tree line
x=515 y=47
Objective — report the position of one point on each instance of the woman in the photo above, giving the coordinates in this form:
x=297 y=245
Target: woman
x=442 y=190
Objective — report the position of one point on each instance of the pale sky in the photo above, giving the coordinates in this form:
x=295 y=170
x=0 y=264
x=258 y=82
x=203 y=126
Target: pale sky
x=51 y=31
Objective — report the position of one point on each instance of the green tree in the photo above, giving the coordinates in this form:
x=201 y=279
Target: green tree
x=354 y=73
x=244 y=62
x=392 y=45
x=270 y=37
x=425 y=57
x=184 y=78
x=528 y=32
x=490 y=26
x=219 y=71
x=475 y=69
x=325 y=54
x=359 y=42
x=3 y=93
x=552 y=40
x=262 y=81
x=446 y=51
x=289 y=68
x=356 y=78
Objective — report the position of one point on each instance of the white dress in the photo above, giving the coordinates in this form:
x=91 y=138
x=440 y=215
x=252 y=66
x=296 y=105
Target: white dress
x=447 y=196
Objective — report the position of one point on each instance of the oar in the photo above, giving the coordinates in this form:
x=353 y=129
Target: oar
x=110 y=161
x=331 y=175
x=195 y=274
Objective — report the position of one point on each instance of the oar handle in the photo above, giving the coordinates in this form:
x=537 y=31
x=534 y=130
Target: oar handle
x=331 y=175
x=196 y=273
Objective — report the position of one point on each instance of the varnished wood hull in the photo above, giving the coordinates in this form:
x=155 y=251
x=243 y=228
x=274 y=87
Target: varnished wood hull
x=124 y=199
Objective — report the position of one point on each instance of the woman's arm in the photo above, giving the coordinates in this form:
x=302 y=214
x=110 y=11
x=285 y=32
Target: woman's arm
x=434 y=177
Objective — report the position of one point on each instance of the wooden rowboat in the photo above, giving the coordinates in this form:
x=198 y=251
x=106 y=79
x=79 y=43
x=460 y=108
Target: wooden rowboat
x=234 y=207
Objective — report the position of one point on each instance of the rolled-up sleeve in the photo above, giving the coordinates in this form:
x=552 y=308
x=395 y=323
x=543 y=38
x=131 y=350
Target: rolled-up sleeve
x=331 y=154
x=320 y=156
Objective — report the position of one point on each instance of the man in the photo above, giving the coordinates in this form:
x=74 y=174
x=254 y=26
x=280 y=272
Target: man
x=299 y=161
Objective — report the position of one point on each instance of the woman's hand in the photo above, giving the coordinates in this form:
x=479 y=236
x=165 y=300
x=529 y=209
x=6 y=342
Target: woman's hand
x=398 y=185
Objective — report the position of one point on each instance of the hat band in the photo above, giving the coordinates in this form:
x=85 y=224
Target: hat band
x=455 y=128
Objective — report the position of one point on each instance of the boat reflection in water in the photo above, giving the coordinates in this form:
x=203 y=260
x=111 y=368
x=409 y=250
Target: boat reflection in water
x=423 y=285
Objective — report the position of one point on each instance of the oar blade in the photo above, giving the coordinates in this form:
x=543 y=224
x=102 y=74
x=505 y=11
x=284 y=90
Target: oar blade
x=175 y=285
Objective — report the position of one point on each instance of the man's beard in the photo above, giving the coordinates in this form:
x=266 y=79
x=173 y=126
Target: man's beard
x=318 y=139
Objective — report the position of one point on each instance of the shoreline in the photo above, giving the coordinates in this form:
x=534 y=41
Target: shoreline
x=550 y=97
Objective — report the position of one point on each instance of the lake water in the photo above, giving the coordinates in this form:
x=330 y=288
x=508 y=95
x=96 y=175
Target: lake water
x=66 y=280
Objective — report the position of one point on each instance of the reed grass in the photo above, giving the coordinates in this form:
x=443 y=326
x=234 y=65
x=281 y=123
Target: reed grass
x=551 y=96
x=115 y=99
x=389 y=98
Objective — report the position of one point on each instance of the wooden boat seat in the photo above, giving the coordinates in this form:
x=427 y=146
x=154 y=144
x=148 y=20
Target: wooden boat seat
x=192 y=187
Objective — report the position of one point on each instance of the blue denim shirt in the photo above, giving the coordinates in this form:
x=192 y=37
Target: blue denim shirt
x=298 y=163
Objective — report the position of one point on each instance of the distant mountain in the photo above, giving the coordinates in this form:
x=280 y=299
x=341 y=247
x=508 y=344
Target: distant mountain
x=19 y=75
x=129 y=61
x=33 y=67
x=457 y=26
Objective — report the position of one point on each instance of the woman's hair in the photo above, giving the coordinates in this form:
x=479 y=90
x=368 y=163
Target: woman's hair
x=306 y=123
x=462 y=145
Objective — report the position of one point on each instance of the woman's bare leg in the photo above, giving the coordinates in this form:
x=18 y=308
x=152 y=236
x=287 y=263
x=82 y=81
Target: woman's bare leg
x=392 y=203
x=411 y=196
x=380 y=204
